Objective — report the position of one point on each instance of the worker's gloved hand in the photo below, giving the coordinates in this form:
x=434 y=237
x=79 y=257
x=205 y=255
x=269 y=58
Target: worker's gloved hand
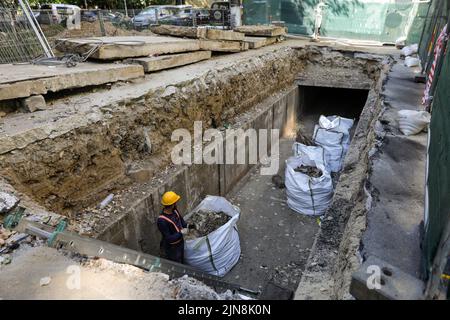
x=184 y=231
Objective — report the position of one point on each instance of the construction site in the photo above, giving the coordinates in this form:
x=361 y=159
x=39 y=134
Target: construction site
x=302 y=147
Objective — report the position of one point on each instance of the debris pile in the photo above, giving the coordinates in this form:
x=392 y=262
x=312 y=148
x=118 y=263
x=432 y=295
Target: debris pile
x=7 y=202
x=313 y=172
x=186 y=288
x=204 y=222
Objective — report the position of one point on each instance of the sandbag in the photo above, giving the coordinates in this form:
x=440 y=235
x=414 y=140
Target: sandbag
x=412 y=62
x=410 y=50
x=412 y=122
x=307 y=195
x=400 y=43
x=217 y=252
x=333 y=135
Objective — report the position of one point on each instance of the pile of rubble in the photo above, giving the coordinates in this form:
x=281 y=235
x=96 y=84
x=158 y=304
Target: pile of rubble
x=313 y=172
x=203 y=223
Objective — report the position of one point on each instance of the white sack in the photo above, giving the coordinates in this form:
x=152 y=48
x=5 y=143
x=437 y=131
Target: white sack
x=333 y=135
x=224 y=247
x=411 y=122
x=315 y=152
x=305 y=194
x=412 y=62
x=410 y=50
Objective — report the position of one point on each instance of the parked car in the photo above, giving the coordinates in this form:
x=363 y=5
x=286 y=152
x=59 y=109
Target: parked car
x=56 y=13
x=160 y=14
x=89 y=16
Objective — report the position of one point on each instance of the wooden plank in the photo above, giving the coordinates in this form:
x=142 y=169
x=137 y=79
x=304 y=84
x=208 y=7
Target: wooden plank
x=152 y=64
x=262 y=31
x=180 y=31
x=119 y=48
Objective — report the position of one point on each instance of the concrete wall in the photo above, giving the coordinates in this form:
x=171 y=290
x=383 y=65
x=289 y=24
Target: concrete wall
x=136 y=229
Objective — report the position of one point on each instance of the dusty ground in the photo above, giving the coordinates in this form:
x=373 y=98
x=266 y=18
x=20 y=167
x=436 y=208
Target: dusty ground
x=45 y=273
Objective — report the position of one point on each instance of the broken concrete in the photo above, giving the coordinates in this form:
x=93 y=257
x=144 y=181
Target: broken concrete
x=223 y=46
x=230 y=35
x=255 y=42
x=33 y=103
x=7 y=202
x=379 y=280
x=180 y=31
x=22 y=81
x=262 y=30
x=152 y=64
x=117 y=48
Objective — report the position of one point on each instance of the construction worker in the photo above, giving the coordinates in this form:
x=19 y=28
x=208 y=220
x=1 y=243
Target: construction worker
x=172 y=227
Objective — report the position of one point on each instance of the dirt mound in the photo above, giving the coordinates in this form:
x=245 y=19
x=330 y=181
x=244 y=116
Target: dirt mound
x=204 y=222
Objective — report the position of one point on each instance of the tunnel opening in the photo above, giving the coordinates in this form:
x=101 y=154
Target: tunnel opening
x=328 y=101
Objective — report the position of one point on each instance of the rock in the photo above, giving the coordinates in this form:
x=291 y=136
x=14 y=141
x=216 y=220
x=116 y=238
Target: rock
x=6 y=259
x=7 y=202
x=278 y=181
x=34 y=103
x=170 y=90
x=45 y=281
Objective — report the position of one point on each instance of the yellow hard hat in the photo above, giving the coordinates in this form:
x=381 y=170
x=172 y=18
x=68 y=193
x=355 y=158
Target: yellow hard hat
x=169 y=198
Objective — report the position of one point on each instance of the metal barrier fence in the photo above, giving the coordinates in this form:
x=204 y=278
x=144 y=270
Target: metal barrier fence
x=106 y=22
x=21 y=38
x=376 y=20
x=437 y=213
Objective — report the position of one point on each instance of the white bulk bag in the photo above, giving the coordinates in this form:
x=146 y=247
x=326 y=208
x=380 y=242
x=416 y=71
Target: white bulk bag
x=333 y=135
x=411 y=122
x=315 y=152
x=410 y=50
x=217 y=252
x=305 y=194
x=412 y=62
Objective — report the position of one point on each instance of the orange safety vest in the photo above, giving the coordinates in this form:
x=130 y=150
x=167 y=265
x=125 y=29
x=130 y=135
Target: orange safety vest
x=174 y=224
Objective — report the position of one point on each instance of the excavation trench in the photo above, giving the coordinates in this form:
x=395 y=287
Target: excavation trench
x=127 y=156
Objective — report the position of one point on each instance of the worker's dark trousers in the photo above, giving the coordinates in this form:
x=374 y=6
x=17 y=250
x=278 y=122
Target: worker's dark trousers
x=175 y=252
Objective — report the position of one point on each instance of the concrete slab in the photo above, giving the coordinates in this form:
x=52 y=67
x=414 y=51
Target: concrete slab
x=115 y=48
x=152 y=64
x=255 y=42
x=392 y=282
x=22 y=81
x=215 y=34
x=263 y=30
x=223 y=46
x=180 y=31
